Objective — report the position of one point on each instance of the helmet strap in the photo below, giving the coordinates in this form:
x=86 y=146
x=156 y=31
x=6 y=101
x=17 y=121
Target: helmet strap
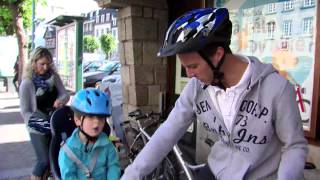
x=88 y=137
x=217 y=75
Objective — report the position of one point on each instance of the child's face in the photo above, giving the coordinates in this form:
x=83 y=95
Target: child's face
x=92 y=125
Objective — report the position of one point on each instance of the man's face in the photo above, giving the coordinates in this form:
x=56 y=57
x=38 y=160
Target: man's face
x=196 y=67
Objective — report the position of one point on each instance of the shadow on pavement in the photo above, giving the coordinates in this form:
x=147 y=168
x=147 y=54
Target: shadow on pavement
x=17 y=160
x=10 y=118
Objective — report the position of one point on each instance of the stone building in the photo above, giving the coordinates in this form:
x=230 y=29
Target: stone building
x=150 y=82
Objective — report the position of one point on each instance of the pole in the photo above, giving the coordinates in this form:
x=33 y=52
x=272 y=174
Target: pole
x=33 y=23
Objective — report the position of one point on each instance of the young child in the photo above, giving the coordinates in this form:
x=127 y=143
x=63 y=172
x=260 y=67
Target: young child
x=88 y=153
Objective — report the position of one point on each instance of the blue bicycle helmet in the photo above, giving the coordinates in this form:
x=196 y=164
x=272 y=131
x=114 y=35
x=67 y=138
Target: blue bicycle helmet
x=92 y=102
x=197 y=29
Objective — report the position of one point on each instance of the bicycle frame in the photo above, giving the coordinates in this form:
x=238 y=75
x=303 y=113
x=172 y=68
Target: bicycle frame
x=298 y=92
x=304 y=104
x=178 y=153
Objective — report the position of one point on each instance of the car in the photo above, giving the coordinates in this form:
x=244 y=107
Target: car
x=92 y=79
x=113 y=86
x=90 y=66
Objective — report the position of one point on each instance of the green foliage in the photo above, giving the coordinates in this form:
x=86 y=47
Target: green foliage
x=90 y=44
x=108 y=43
x=5 y=21
x=24 y=10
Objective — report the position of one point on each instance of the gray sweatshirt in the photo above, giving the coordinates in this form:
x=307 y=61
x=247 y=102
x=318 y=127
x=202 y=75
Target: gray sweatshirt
x=27 y=93
x=266 y=140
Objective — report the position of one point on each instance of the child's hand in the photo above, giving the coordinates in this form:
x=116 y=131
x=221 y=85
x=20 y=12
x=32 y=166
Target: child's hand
x=57 y=104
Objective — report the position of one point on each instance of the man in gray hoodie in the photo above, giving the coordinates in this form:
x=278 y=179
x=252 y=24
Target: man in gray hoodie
x=242 y=102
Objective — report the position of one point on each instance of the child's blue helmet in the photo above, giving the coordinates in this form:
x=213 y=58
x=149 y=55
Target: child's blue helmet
x=92 y=101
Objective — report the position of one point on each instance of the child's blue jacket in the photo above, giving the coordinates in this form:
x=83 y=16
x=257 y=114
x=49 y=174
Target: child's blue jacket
x=107 y=164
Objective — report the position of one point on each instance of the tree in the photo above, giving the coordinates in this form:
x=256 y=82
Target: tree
x=90 y=44
x=15 y=18
x=108 y=44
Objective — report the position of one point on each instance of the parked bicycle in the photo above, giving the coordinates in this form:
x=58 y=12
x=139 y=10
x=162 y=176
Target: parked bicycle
x=173 y=166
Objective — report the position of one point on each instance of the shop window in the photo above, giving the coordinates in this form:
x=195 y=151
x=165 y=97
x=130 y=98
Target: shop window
x=287 y=40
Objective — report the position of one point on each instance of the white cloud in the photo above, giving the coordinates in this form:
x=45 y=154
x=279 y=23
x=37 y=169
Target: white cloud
x=66 y=7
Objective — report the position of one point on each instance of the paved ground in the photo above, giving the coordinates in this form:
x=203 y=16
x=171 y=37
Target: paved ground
x=17 y=155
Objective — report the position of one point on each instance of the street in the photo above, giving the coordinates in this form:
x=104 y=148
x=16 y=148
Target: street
x=17 y=155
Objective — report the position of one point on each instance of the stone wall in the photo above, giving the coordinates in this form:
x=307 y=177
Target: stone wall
x=142 y=25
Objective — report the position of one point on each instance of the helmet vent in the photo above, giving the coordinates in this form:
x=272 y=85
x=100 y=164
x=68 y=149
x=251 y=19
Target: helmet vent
x=96 y=93
x=89 y=101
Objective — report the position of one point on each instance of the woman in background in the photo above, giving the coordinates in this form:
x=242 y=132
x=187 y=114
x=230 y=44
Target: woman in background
x=41 y=91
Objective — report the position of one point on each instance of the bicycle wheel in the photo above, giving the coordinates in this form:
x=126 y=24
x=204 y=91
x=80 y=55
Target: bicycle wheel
x=164 y=171
x=135 y=144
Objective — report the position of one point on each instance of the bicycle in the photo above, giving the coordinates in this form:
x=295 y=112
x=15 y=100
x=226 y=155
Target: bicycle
x=141 y=134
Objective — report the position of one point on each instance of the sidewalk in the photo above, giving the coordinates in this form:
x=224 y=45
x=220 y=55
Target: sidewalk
x=17 y=155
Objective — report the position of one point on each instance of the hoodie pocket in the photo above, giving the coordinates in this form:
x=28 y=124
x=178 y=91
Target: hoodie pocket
x=226 y=163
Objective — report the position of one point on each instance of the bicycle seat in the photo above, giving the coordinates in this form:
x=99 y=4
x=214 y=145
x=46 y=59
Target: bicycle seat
x=135 y=113
x=62 y=126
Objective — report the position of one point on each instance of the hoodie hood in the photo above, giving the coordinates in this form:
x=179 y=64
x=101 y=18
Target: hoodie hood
x=261 y=71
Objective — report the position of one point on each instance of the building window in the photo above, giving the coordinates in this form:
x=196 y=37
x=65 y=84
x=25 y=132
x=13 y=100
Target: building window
x=287 y=28
x=288 y=5
x=84 y=27
x=115 y=33
x=97 y=19
x=114 y=21
x=271 y=7
x=108 y=17
x=236 y=28
x=307 y=26
x=270 y=29
x=102 y=18
x=284 y=45
x=308 y=3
